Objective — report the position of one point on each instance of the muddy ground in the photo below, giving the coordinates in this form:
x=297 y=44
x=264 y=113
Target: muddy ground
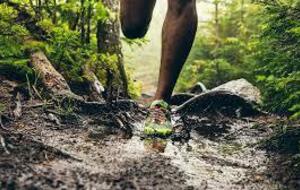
x=50 y=145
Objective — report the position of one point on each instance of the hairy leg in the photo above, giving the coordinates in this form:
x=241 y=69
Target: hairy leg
x=135 y=17
x=178 y=35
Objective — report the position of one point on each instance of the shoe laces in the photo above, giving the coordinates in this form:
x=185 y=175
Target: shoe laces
x=158 y=114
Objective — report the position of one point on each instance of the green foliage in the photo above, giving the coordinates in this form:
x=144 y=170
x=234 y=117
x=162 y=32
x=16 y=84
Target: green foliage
x=13 y=62
x=66 y=52
x=71 y=42
x=16 y=69
x=278 y=57
x=222 y=46
x=11 y=34
x=134 y=87
x=256 y=41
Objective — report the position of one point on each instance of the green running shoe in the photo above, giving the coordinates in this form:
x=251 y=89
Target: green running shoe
x=158 y=122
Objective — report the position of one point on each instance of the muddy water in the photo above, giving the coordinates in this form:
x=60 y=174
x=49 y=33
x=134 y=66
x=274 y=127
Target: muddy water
x=230 y=161
x=211 y=165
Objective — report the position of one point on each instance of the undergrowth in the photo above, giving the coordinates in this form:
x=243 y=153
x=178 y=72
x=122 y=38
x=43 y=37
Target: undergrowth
x=284 y=147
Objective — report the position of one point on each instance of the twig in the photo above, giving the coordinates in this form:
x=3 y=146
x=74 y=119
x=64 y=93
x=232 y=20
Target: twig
x=128 y=116
x=37 y=92
x=18 y=110
x=119 y=122
x=29 y=86
x=208 y=107
x=2 y=140
x=38 y=105
x=53 y=118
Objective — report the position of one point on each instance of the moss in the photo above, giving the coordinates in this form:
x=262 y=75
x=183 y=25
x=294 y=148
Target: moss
x=2 y=108
x=16 y=69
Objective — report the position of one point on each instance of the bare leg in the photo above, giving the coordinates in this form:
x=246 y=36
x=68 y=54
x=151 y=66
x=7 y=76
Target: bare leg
x=135 y=17
x=178 y=35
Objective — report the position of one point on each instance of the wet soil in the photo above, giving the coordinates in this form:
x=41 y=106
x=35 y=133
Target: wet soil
x=99 y=146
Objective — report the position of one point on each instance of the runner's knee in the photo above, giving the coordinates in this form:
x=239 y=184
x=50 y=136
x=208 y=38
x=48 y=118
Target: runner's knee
x=136 y=16
x=134 y=27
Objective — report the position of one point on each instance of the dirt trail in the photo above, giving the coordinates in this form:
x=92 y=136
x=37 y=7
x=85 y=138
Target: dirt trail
x=140 y=163
x=47 y=150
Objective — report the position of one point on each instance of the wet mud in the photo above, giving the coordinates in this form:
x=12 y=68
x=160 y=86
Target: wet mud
x=50 y=148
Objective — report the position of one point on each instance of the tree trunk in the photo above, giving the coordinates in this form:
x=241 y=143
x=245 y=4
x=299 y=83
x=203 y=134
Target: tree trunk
x=82 y=24
x=54 y=15
x=108 y=40
x=217 y=41
x=242 y=11
x=89 y=22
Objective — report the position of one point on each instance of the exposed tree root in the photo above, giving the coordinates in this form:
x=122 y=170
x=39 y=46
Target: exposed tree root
x=53 y=81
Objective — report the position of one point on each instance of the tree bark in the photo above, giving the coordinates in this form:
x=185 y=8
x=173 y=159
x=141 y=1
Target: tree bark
x=54 y=15
x=89 y=22
x=217 y=41
x=108 y=41
x=52 y=80
x=82 y=24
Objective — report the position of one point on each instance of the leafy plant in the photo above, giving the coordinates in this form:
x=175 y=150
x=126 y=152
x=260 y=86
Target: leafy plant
x=258 y=41
x=278 y=58
x=223 y=45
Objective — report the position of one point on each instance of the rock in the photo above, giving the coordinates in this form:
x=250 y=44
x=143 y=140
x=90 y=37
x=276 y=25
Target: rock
x=218 y=101
x=242 y=88
x=237 y=98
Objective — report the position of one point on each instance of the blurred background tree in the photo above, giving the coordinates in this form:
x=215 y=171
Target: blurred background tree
x=223 y=45
x=277 y=56
x=256 y=40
